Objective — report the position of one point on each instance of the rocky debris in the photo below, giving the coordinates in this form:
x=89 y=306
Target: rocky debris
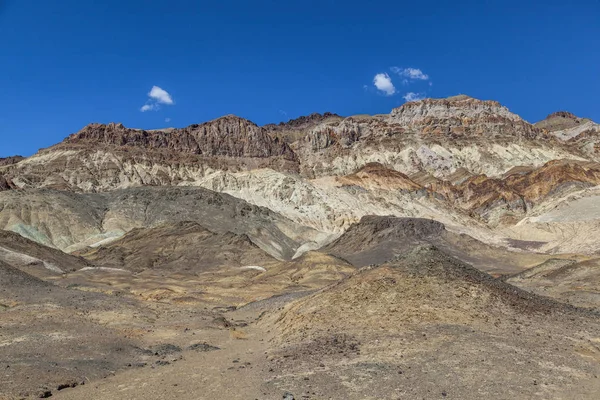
x=436 y=281
x=69 y=384
x=203 y=347
x=44 y=394
x=15 y=280
x=165 y=349
x=288 y=396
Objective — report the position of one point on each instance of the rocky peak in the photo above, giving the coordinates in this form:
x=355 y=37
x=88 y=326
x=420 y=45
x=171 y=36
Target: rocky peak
x=559 y=121
x=562 y=114
x=296 y=129
x=112 y=133
x=461 y=116
x=10 y=160
x=314 y=118
x=228 y=136
x=238 y=137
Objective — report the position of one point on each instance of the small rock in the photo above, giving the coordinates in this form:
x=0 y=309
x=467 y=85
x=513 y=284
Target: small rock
x=288 y=396
x=44 y=394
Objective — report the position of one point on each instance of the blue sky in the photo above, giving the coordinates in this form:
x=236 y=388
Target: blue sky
x=66 y=63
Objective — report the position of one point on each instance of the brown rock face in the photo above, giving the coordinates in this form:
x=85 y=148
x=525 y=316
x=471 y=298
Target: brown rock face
x=341 y=136
x=376 y=175
x=305 y=120
x=5 y=184
x=481 y=194
x=518 y=191
x=10 y=160
x=562 y=114
x=295 y=129
x=543 y=181
x=228 y=136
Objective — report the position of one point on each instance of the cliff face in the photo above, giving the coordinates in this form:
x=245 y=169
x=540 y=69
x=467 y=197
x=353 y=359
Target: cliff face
x=228 y=136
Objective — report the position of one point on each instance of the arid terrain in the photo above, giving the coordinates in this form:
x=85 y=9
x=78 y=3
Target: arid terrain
x=448 y=249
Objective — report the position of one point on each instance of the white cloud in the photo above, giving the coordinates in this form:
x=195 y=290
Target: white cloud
x=383 y=83
x=157 y=96
x=160 y=95
x=410 y=73
x=149 y=107
x=411 y=96
x=167 y=119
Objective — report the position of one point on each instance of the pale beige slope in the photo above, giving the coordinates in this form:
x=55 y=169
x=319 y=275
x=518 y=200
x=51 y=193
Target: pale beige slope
x=563 y=224
x=331 y=205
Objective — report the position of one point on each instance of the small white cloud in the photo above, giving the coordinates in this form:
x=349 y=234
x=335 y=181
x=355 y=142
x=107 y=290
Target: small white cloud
x=160 y=95
x=167 y=119
x=410 y=73
x=411 y=96
x=283 y=112
x=383 y=83
x=157 y=96
x=149 y=107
